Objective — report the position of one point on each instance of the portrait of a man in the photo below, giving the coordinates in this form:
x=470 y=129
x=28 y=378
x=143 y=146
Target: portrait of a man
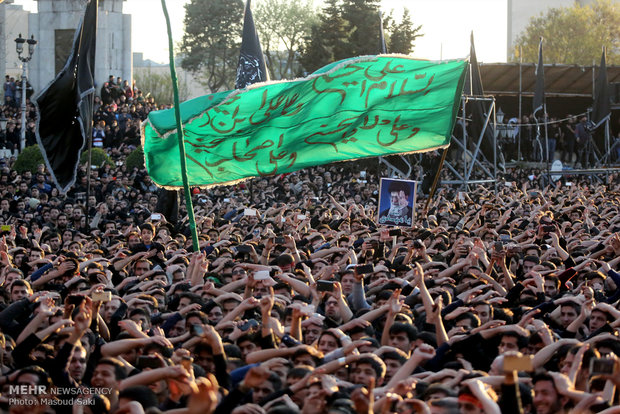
x=396 y=202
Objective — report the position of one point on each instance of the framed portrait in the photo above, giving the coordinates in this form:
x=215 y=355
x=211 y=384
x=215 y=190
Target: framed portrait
x=396 y=202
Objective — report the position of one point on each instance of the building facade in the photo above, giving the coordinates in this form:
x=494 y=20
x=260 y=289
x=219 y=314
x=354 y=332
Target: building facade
x=13 y=21
x=53 y=26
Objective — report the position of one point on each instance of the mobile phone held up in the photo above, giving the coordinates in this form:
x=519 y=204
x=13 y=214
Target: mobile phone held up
x=324 y=286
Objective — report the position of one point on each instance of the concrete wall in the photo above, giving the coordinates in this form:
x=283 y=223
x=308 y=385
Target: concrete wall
x=114 y=55
x=13 y=21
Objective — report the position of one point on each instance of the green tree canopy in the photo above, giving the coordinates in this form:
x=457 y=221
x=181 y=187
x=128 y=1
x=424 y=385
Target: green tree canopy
x=159 y=85
x=574 y=35
x=401 y=36
x=283 y=26
x=211 y=42
x=349 y=28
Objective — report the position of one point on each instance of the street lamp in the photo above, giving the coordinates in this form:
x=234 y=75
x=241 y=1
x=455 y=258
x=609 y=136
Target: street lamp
x=19 y=47
x=501 y=127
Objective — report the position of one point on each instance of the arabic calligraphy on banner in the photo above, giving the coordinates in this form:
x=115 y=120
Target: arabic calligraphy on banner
x=362 y=107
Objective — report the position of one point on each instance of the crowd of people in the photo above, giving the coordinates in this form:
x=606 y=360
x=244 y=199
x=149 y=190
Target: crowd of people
x=497 y=300
x=571 y=140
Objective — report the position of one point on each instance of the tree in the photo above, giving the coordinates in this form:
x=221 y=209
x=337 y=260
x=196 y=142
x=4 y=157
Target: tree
x=159 y=85
x=349 y=28
x=403 y=35
x=327 y=38
x=283 y=26
x=211 y=42
x=574 y=35
x=362 y=17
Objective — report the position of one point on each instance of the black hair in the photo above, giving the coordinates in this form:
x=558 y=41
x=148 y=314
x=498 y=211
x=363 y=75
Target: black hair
x=119 y=368
x=43 y=377
x=410 y=330
x=141 y=394
x=475 y=321
x=395 y=356
x=377 y=365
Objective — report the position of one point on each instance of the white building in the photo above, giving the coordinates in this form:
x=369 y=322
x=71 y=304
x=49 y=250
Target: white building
x=53 y=26
x=13 y=21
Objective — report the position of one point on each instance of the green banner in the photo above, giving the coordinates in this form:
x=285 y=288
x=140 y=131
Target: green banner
x=357 y=108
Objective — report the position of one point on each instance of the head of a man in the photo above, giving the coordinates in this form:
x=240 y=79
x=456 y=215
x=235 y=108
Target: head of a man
x=483 y=310
x=109 y=372
x=20 y=289
x=569 y=311
x=547 y=399
x=598 y=319
x=367 y=368
x=77 y=364
x=511 y=342
x=403 y=336
x=399 y=194
x=271 y=385
x=529 y=262
x=551 y=286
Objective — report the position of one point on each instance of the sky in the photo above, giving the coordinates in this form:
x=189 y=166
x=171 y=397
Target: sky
x=446 y=35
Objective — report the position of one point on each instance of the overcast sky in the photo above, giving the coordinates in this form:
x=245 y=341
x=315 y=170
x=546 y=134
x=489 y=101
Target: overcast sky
x=446 y=25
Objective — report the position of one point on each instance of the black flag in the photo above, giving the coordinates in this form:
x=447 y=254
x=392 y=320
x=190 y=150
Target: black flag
x=602 y=103
x=539 y=92
x=65 y=107
x=382 y=45
x=473 y=86
x=251 y=68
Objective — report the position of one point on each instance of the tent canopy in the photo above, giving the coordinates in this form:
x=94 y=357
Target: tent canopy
x=560 y=80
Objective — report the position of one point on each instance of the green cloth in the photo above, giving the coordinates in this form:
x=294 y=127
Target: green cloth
x=356 y=108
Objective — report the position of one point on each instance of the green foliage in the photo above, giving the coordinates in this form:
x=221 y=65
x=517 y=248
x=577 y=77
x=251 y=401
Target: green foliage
x=99 y=157
x=211 y=42
x=362 y=17
x=31 y=157
x=28 y=159
x=328 y=38
x=159 y=85
x=349 y=28
x=283 y=26
x=135 y=159
x=573 y=35
x=402 y=35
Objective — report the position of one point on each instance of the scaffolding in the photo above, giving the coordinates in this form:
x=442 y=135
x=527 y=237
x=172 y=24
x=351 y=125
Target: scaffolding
x=474 y=167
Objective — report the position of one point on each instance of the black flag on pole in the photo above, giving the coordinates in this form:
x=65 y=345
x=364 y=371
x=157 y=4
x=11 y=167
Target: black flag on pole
x=382 y=44
x=473 y=86
x=602 y=102
x=251 y=68
x=539 y=92
x=65 y=107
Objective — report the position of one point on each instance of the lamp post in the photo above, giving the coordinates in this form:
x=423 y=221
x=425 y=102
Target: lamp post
x=500 y=118
x=19 y=47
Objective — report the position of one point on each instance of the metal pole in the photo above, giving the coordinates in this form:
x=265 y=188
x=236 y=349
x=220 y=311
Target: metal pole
x=88 y=175
x=464 y=125
x=520 y=100
x=608 y=142
x=547 y=143
x=435 y=180
x=493 y=108
x=23 y=137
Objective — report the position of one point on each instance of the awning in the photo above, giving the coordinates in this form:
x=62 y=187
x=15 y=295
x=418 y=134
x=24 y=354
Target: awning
x=560 y=80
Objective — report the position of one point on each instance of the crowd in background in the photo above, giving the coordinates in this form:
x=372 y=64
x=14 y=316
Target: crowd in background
x=296 y=300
